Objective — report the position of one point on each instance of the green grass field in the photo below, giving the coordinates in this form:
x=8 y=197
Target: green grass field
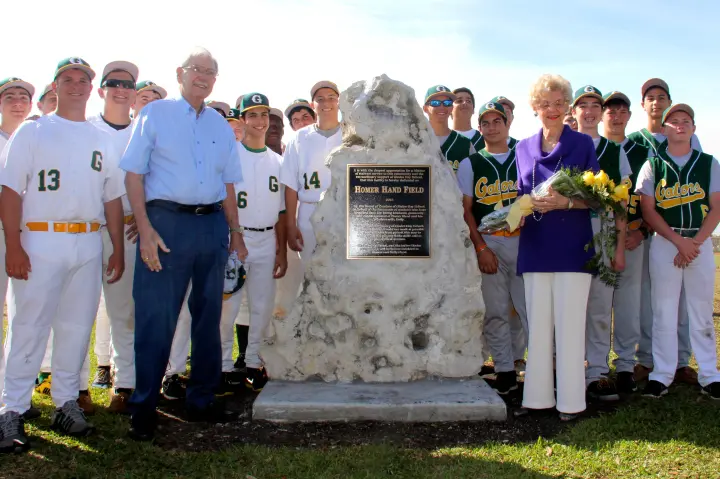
x=676 y=437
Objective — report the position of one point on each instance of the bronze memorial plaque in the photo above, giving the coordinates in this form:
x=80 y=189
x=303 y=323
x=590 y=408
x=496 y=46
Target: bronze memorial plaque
x=388 y=211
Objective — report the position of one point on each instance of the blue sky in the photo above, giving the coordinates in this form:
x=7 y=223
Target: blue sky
x=494 y=47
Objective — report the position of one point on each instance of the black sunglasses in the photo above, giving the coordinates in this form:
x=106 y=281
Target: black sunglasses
x=127 y=84
x=437 y=103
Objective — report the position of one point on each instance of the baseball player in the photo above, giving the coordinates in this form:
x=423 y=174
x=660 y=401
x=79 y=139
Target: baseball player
x=463 y=109
x=236 y=123
x=118 y=91
x=518 y=325
x=587 y=109
x=455 y=147
x=261 y=202
x=47 y=103
x=300 y=114
x=63 y=205
x=486 y=179
x=147 y=92
x=626 y=300
x=15 y=105
x=275 y=132
x=655 y=100
x=680 y=199
x=303 y=171
x=571 y=121
x=220 y=107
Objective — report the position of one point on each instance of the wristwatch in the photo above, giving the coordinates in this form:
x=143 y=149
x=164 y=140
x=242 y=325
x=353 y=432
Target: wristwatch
x=239 y=229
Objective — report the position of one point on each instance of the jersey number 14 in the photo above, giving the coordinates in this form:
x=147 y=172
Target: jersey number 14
x=314 y=180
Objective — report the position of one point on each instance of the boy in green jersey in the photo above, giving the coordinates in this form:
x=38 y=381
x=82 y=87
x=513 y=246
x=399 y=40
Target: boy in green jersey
x=587 y=109
x=487 y=178
x=626 y=301
x=438 y=106
x=680 y=199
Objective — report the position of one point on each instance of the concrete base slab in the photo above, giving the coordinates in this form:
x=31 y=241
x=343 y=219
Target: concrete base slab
x=431 y=400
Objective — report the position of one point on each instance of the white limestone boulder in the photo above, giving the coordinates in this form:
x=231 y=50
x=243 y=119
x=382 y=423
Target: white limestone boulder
x=390 y=319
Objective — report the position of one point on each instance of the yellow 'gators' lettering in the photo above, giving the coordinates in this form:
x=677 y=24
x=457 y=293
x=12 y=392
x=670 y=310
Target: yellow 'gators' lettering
x=490 y=194
x=669 y=197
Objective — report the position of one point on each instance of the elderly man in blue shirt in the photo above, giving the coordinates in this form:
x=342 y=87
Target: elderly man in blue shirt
x=180 y=166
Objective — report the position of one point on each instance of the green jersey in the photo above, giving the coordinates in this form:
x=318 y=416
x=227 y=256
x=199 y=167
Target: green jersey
x=682 y=195
x=646 y=139
x=478 y=142
x=608 y=156
x=455 y=149
x=637 y=156
x=494 y=182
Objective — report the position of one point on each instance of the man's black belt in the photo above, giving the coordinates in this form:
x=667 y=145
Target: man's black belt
x=192 y=209
x=258 y=229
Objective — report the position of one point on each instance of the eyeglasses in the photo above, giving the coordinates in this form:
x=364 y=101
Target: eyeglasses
x=202 y=71
x=112 y=83
x=437 y=103
x=560 y=104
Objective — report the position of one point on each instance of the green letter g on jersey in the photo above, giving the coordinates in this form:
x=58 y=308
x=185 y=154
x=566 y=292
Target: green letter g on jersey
x=273 y=184
x=96 y=163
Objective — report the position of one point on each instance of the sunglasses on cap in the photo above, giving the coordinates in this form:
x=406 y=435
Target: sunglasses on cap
x=111 y=83
x=437 y=103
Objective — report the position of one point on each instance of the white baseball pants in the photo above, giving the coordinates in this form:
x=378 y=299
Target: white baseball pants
x=499 y=291
x=556 y=302
x=667 y=282
x=66 y=269
x=120 y=309
x=626 y=306
x=3 y=291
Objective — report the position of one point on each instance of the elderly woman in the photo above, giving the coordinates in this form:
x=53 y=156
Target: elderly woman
x=552 y=254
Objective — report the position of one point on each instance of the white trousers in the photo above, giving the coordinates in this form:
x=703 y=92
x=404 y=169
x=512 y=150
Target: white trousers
x=305 y=210
x=667 y=282
x=598 y=329
x=62 y=292
x=499 y=291
x=3 y=291
x=177 y=364
x=259 y=289
x=518 y=331
x=556 y=303
x=626 y=307
x=103 y=345
x=120 y=309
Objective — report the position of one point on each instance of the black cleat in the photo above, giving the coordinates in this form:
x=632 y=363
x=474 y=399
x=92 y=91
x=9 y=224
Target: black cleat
x=70 y=419
x=712 y=390
x=603 y=390
x=103 y=379
x=256 y=379
x=506 y=382
x=487 y=371
x=172 y=388
x=655 y=389
x=12 y=433
x=626 y=383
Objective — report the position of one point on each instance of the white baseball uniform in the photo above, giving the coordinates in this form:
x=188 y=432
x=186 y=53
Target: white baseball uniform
x=68 y=171
x=304 y=171
x=115 y=332
x=3 y=280
x=600 y=299
x=261 y=198
x=682 y=198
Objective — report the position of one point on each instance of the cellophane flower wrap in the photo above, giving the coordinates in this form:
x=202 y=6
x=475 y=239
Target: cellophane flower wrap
x=598 y=192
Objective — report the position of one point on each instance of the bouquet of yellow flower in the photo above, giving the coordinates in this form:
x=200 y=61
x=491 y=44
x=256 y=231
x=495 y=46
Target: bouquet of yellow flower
x=597 y=190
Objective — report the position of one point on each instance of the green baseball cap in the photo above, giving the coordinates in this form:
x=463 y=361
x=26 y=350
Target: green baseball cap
x=253 y=100
x=654 y=83
x=76 y=63
x=678 y=107
x=296 y=105
x=148 y=85
x=233 y=115
x=439 y=90
x=587 y=90
x=219 y=106
x=503 y=100
x=15 y=82
x=489 y=107
x=46 y=90
x=616 y=95
x=465 y=90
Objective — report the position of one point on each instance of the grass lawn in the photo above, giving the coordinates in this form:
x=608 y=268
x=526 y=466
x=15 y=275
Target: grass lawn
x=676 y=437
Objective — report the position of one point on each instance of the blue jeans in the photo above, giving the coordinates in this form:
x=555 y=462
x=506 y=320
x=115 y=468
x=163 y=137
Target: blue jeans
x=198 y=252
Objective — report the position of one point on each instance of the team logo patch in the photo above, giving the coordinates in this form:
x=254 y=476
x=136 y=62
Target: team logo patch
x=441 y=88
x=150 y=83
x=256 y=99
x=589 y=89
x=490 y=106
x=76 y=61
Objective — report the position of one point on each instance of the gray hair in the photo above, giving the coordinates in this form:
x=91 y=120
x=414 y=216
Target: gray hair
x=196 y=53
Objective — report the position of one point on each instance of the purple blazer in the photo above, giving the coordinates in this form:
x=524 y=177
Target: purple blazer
x=556 y=242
